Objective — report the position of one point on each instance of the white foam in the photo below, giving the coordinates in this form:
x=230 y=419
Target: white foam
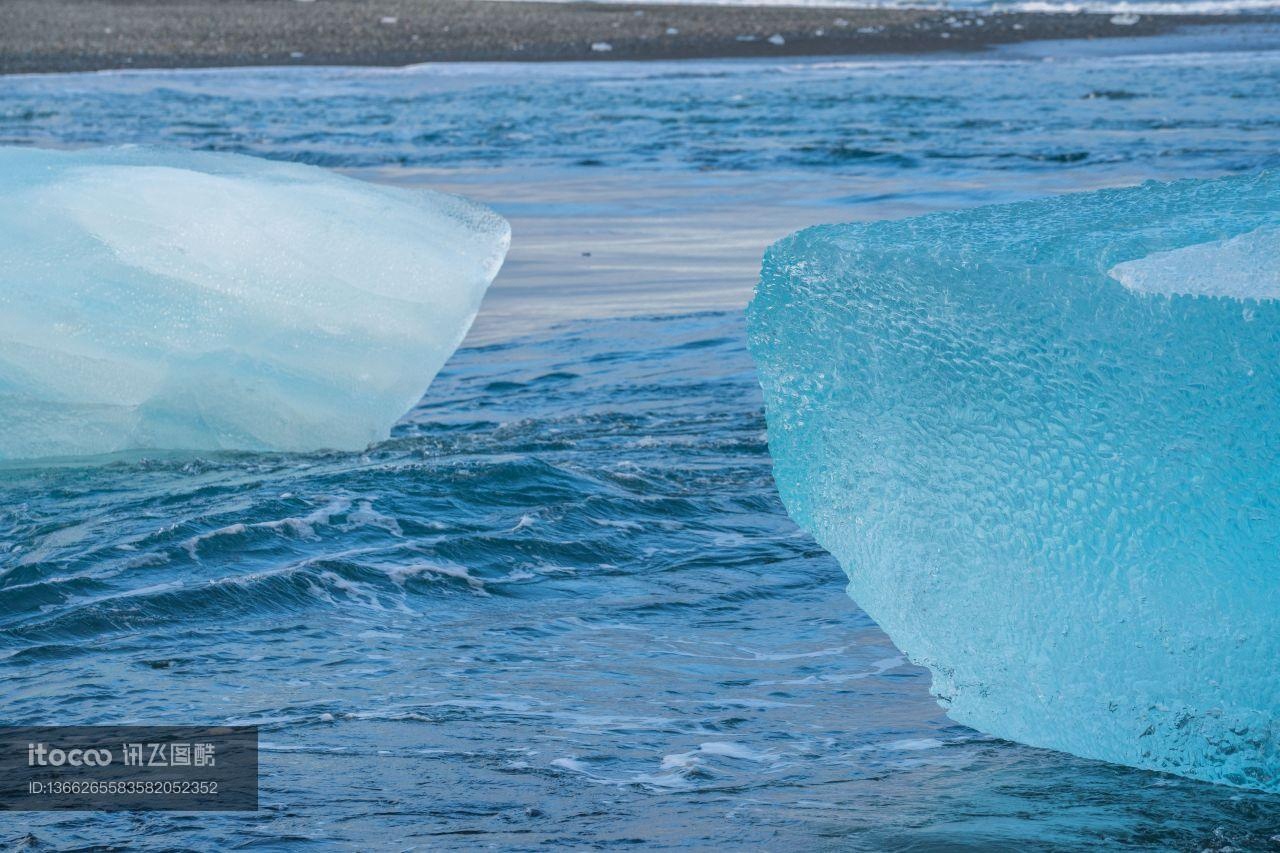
x=399 y=574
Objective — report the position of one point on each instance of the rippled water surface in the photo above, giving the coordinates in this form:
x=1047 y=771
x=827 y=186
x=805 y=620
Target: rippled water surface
x=928 y=119
x=562 y=605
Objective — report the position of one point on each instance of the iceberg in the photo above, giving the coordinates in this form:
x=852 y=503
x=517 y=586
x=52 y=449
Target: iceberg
x=1043 y=441
x=177 y=300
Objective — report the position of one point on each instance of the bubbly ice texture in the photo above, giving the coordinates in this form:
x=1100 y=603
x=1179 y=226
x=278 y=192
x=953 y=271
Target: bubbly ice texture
x=1043 y=440
x=157 y=299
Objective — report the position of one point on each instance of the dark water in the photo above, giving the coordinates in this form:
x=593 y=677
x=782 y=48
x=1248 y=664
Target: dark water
x=562 y=605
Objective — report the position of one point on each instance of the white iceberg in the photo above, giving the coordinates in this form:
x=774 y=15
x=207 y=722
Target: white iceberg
x=176 y=300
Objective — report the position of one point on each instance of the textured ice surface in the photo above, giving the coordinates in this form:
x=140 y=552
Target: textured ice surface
x=1243 y=267
x=156 y=299
x=1049 y=466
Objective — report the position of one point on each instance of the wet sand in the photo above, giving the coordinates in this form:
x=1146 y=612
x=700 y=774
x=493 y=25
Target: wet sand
x=84 y=35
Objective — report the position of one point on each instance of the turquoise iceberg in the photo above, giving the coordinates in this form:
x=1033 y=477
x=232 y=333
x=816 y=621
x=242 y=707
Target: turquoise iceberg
x=179 y=300
x=1043 y=440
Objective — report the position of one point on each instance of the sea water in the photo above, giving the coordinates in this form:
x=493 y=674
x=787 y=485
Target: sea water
x=563 y=604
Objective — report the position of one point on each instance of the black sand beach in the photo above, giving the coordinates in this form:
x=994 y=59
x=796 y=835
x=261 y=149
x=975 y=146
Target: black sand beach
x=83 y=35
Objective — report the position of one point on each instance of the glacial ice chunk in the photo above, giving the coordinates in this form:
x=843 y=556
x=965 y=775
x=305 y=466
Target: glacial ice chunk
x=176 y=300
x=1244 y=267
x=1043 y=440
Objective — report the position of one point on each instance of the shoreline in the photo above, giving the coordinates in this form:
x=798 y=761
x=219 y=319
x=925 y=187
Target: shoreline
x=42 y=36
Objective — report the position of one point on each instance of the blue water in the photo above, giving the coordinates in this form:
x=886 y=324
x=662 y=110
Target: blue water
x=563 y=606
x=917 y=120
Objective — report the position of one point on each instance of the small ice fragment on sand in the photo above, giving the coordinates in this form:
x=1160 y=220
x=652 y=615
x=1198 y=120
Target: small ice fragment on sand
x=1125 y=19
x=297 y=54
x=601 y=47
x=672 y=31
x=841 y=22
x=777 y=40
x=389 y=20
x=747 y=38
